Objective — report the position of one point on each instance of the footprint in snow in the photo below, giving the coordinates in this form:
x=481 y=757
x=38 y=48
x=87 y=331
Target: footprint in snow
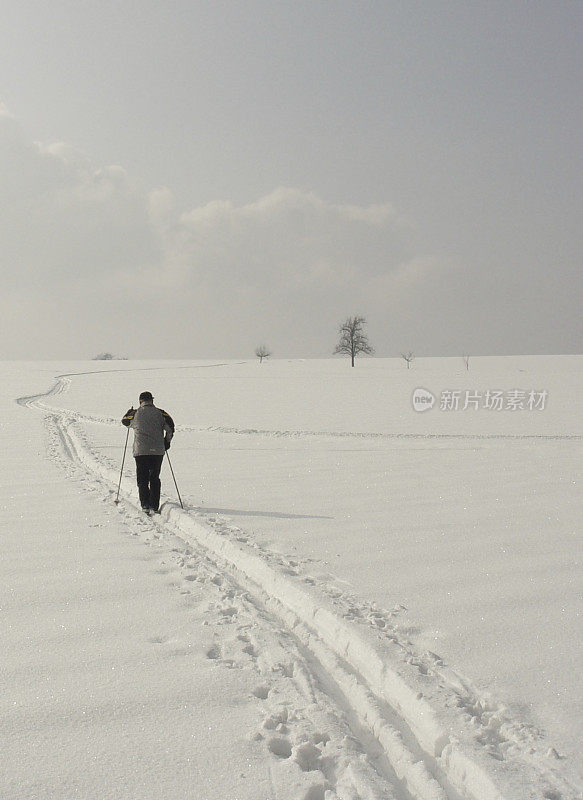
x=308 y=756
x=317 y=792
x=214 y=652
x=280 y=747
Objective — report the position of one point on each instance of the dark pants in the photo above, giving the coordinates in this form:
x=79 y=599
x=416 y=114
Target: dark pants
x=148 y=477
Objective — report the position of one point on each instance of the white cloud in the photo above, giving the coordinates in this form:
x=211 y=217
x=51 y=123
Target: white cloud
x=371 y=215
x=71 y=156
x=288 y=240
x=99 y=265
x=66 y=227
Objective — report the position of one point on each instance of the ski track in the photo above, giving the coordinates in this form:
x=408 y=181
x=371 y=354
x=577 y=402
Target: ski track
x=348 y=705
x=351 y=435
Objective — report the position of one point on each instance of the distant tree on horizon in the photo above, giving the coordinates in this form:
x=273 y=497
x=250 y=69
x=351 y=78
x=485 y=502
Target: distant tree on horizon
x=353 y=339
x=262 y=352
x=408 y=358
x=108 y=357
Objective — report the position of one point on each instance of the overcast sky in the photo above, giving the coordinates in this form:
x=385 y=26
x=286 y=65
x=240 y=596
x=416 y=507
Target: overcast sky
x=191 y=179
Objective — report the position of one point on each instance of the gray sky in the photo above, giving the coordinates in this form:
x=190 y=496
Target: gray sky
x=190 y=179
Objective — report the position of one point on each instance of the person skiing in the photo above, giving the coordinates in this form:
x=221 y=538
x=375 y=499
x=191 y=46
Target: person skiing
x=153 y=431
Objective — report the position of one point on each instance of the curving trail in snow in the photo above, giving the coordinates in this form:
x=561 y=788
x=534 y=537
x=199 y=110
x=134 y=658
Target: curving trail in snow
x=349 y=708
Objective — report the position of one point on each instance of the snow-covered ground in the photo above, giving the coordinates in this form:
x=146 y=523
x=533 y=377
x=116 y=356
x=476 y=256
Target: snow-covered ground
x=357 y=601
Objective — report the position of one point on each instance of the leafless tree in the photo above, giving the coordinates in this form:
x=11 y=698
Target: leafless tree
x=353 y=339
x=408 y=358
x=466 y=361
x=262 y=352
x=108 y=357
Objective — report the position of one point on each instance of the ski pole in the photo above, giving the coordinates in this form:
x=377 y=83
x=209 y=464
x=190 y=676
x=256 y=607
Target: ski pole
x=116 y=501
x=175 y=484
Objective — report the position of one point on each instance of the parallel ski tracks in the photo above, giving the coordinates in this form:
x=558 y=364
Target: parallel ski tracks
x=389 y=705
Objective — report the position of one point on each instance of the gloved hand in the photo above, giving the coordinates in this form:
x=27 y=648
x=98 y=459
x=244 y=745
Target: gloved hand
x=166 y=444
x=128 y=417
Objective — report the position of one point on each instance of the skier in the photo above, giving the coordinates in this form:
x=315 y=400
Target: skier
x=153 y=431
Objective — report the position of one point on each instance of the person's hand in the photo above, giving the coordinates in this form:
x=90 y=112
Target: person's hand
x=166 y=444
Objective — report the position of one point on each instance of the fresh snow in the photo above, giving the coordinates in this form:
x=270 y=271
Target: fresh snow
x=357 y=601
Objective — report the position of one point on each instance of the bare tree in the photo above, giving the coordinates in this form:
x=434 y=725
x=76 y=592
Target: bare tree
x=262 y=352
x=353 y=339
x=466 y=360
x=108 y=357
x=408 y=358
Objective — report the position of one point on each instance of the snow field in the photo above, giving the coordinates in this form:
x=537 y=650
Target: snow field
x=299 y=728
x=459 y=526
x=428 y=751
x=201 y=695
x=106 y=689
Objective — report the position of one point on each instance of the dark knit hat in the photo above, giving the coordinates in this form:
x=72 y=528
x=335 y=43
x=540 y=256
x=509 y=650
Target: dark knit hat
x=146 y=396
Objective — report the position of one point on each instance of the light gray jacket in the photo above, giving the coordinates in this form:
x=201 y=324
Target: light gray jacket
x=152 y=428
